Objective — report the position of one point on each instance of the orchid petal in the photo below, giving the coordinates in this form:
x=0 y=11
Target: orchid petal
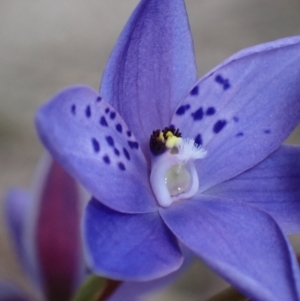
x=131 y=247
x=92 y=142
x=134 y=291
x=151 y=67
x=53 y=232
x=10 y=292
x=243 y=109
x=16 y=209
x=273 y=186
x=239 y=242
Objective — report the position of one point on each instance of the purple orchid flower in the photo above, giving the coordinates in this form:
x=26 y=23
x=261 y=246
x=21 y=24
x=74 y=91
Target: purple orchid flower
x=199 y=163
x=45 y=229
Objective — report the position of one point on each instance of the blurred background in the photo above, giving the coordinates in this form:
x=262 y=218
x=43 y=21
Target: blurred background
x=47 y=45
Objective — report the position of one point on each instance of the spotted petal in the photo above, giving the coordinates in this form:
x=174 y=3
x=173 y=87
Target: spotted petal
x=241 y=243
x=151 y=67
x=273 y=186
x=243 y=109
x=91 y=141
x=135 y=247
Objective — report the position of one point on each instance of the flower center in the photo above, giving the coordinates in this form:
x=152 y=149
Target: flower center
x=173 y=174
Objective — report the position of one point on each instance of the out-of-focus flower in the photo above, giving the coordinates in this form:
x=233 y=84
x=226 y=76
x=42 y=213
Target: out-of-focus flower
x=199 y=184
x=10 y=292
x=45 y=229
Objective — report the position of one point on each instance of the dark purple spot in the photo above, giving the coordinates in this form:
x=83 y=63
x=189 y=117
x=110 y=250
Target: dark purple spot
x=112 y=115
x=198 y=140
x=126 y=153
x=98 y=99
x=133 y=144
x=103 y=121
x=119 y=128
x=96 y=145
x=106 y=159
x=121 y=166
x=222 y=81
x=172 y=126
x=198 y=115
x=116 y=151
x=219 y=125
x=88 y=112
x=107 y=110
x=73 y=109
x=110 y=141
x=210 y=111
x=267 y=131
x=226 y=84
x=219 y=79
x=182 y=109
x=236 y=119
x=240 y=134
x=128 y=133
x=195 y=91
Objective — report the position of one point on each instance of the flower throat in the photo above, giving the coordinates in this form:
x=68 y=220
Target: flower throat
x=173 y=174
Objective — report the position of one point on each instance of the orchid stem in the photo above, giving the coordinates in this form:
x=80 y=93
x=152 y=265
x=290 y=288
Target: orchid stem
x=110 y=288
x=229 y=294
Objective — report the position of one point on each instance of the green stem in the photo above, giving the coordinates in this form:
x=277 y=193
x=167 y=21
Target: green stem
x=111 y=286
x=229 y=294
